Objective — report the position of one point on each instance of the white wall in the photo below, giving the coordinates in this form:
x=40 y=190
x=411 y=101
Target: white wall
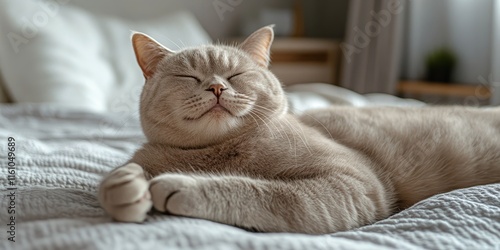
x=204 y=10
x=323 y=18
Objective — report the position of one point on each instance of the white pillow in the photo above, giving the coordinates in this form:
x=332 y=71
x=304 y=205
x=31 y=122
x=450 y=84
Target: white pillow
x=54 y=53
x=305 y=96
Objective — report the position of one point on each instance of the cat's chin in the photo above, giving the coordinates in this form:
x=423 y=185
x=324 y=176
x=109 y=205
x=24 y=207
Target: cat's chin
x=216 y=121
x=216 y=112
x=211 y=128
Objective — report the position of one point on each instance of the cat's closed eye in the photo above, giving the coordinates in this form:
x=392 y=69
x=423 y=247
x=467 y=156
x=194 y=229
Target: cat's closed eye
x=189 y=76
x=235 y=75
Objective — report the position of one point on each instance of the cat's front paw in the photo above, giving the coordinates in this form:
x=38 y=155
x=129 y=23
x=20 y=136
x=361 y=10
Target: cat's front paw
x=176 y=194
x=124 y=194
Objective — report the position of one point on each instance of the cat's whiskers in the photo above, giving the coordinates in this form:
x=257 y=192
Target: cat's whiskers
x=193 y=102
x=256 y=122
x=183 y=44
x=294 y=145
x=269 y=118
x=163 y=119
x=301 y=134
x=319 y=122
x=322 y=125
x=172 y=41
x=265 y=123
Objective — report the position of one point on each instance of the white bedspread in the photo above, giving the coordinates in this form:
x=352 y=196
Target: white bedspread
x=62 y=155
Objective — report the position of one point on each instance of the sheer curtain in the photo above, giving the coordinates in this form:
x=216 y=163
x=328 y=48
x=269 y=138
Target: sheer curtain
x=371 y=50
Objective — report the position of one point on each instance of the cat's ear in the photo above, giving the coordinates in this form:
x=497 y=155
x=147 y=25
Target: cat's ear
x=148 y=53
x=258 y=45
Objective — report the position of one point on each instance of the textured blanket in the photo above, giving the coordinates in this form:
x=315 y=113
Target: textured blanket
x=60 y=157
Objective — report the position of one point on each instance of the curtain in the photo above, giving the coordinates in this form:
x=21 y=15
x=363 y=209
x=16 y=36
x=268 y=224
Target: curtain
x=371 y=50
x=495 y=63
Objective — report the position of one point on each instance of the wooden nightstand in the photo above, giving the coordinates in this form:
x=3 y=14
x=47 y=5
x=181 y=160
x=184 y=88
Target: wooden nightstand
x=445 y=93
x=304 y=60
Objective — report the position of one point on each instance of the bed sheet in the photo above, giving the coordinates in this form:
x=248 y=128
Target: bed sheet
x=61 y=155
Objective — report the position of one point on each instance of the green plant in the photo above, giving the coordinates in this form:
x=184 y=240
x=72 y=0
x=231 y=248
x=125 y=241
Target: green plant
x=440 y=65
x=442 y=57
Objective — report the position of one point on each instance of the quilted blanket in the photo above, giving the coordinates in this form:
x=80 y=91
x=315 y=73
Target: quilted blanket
x=48 y=192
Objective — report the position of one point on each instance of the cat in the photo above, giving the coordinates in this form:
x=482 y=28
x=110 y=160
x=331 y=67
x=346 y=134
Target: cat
x=223 y=146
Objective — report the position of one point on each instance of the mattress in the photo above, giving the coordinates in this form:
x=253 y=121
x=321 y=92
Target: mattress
x=61 y=155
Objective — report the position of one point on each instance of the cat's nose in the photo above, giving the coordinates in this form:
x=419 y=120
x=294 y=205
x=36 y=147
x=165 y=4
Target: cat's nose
x=216 y=88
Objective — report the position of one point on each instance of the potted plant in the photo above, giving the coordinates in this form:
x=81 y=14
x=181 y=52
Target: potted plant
x=440 y=65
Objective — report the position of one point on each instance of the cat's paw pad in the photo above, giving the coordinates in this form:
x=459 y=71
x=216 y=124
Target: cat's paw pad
x=124 y=194
x=175 y=193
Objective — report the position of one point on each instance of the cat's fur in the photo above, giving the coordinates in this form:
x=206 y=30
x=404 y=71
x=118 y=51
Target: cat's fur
x=249 y=163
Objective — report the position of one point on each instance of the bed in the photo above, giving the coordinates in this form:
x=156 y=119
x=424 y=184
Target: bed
x=89 y=125
x=62 y=154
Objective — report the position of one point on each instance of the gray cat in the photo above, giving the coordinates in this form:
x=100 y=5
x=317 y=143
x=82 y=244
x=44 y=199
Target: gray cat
x=222 y=146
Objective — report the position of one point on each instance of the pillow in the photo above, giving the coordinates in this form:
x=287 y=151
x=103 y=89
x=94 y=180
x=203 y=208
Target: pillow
x=59 y=54
x=305 y=96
